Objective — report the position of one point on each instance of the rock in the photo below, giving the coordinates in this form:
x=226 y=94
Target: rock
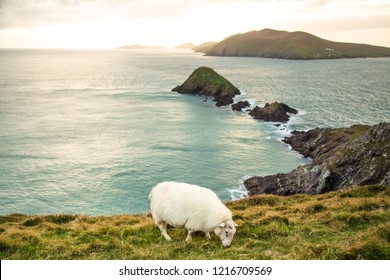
x=316 y=142
x=240 y=105
x=358 y=155
x=275 y=112
x=205 y=81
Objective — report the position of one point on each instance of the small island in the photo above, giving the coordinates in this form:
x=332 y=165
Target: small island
x=185 y=46
x=205 y=81
x=138 y=47
x=275 y=112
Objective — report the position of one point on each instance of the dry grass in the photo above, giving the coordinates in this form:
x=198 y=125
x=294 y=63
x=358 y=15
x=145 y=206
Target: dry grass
x=349 y=224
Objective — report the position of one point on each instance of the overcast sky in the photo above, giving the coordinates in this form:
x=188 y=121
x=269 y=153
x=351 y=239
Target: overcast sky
x=112 y=23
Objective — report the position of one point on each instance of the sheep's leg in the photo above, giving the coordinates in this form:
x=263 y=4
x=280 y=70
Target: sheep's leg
x=163 y=228
x=207 y=234
x=188 y=239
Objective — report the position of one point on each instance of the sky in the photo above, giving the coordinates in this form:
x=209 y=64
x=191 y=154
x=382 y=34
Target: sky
x=168 y=23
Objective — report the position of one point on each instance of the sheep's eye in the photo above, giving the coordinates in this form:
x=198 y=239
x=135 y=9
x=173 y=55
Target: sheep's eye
x=230 y=227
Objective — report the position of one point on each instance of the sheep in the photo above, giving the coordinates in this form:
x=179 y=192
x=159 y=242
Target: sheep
x=196 y=208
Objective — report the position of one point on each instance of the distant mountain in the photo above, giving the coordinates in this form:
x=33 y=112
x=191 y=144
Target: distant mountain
x=185 y=46
x=291 y=45
x=139 y=47
x=205 y=47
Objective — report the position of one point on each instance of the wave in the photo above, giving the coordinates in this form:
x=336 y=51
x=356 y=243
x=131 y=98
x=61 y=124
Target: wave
x=242 y=97
x=240 y=192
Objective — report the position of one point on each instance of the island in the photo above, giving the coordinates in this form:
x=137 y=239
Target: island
x=240 y=105
x=185 y=46
x=275 y=112
x=205 y=81
x=137 y=47
x=271 y=43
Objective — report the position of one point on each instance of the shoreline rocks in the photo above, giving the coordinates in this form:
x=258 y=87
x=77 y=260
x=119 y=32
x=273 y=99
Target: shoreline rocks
x=341 y=157
x=275 y=112
x=240 y=105
x=205 y=81
x=357 y=155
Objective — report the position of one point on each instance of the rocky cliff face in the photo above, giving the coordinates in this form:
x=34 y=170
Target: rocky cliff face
x=358 y=155
x=205 y=81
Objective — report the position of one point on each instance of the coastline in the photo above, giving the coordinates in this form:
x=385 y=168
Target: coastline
x=267 y=138
x=326 y=172
x=350 y=223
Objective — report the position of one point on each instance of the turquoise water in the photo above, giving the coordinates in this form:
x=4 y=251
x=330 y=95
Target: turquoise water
x=91 y=132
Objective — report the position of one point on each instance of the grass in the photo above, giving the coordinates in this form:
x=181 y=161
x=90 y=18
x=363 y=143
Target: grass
x=207 y=78
x=349 y=224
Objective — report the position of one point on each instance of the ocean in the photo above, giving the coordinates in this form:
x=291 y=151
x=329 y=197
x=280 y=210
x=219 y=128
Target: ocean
x=92 y=131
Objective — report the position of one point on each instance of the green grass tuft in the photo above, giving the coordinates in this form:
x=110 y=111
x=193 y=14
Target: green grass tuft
x=366 y=191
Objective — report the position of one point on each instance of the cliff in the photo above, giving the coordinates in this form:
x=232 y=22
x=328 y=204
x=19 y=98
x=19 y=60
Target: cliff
x=342 y=157
x=291 y=45
x=205 y=81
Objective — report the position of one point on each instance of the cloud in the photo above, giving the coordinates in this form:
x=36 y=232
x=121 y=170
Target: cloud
x=28 y=13
x=149 y=20
x=22 y=13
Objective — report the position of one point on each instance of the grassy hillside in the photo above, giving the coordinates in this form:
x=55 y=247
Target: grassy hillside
x=349 y=224
x=291 y=45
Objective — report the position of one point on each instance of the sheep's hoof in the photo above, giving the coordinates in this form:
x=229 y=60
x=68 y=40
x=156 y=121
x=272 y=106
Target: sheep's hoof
x=167 y=237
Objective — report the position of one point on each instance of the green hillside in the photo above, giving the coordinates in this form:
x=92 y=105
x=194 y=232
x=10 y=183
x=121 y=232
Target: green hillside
x=291 y=45
x=350 y=224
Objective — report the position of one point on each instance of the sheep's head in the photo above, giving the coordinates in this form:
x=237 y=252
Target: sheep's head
x=226 y=231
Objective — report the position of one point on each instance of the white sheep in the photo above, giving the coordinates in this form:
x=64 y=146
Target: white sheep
x=191 y=206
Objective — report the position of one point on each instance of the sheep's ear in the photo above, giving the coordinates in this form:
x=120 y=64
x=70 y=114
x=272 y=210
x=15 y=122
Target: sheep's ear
x=222 y=224
x=235 y=224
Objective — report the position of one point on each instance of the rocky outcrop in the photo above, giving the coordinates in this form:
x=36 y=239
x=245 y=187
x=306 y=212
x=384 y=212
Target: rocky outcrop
x=275 y=112
x=317 y=142
x=205 y=81
x=240 y=105
x=358 y=155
